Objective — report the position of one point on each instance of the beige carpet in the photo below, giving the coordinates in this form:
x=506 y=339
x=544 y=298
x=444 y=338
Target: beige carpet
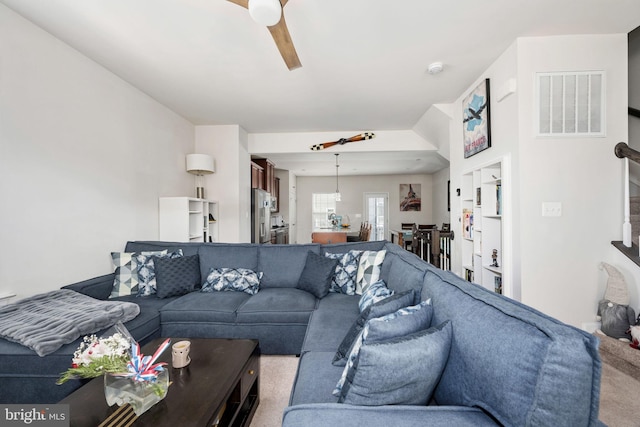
x=276 y=379
x=619 y=391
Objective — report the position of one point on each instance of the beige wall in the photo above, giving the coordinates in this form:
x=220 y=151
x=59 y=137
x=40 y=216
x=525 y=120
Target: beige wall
x=352 y=189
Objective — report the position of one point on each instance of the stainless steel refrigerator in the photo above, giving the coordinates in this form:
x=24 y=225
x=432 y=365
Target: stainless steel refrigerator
x=260 y=216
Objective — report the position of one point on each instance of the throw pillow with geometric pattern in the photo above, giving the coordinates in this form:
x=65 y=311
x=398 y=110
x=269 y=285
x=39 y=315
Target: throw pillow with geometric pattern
x=344 y=279
x=126 y=271
x=375 y=292
x=232 y=279
x=369 y=269
x=147 y=272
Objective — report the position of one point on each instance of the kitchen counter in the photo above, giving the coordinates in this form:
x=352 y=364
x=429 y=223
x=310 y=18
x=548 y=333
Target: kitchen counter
x=280 y=235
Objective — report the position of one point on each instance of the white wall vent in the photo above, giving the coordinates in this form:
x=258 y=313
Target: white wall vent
x=571 y=104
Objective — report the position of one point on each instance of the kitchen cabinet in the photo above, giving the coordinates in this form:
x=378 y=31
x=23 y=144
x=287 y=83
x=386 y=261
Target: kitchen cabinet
x=269 y=174
x=257 y=176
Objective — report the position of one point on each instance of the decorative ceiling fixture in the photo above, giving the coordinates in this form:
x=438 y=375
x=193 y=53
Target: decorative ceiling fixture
x=271 y=14
x=337 y=188
x=342 y=141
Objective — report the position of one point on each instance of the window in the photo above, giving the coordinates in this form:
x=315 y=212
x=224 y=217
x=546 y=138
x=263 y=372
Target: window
x=322 y=205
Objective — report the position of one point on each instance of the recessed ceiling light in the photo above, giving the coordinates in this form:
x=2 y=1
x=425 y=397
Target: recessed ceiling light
x=435 y=67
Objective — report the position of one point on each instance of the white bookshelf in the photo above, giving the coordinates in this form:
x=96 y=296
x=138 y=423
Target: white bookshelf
x=485 y=199
x=187 y=219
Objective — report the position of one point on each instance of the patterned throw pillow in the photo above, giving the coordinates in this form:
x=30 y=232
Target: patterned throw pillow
x=147 y=272
x=344 y=279
x=400 y=323
x=126 y=270
x=177 y=276
x=232 y=279
x=369 y=269
x=375 y=292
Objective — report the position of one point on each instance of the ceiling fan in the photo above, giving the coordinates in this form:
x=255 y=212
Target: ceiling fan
x=270 y=13
x=342 y=141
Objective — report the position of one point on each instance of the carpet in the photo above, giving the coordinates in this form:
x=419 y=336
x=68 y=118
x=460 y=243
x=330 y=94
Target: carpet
x=619 y=390
x=619 y=384
x=276 y=380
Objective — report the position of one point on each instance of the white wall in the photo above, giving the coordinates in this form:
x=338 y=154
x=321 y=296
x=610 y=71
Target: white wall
x=84 y=157
x=352 y=189
x=440 y=212
x=558 y=256
x=230 y=185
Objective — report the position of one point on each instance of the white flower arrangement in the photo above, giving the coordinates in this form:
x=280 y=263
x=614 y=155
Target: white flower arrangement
x=97 y=356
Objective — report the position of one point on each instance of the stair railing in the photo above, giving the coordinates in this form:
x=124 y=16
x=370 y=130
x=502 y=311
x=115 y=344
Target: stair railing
x=623 y=151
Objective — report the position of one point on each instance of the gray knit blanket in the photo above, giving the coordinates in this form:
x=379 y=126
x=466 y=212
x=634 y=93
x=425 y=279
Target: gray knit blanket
x=46 y=322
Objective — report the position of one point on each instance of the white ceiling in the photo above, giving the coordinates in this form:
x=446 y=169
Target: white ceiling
x=364 y=62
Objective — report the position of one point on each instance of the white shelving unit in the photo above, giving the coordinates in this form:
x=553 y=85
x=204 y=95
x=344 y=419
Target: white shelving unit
x=186 y=219
x=484 y=202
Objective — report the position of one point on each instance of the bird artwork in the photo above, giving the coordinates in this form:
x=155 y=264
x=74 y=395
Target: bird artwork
x=476 y=120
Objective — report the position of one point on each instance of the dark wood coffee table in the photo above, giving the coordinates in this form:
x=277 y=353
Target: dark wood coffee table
x=221 y=381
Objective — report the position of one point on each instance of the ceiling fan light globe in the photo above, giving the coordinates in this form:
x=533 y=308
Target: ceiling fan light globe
x=265 y=12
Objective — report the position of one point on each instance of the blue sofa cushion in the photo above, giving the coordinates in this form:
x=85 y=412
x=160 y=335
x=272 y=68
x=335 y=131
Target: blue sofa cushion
x=139 y=246
x=344 y=278
x=232 y=279
x=402 y=370
x=374 y=293
x=177 y=276
x=538 y=356
x=283 y=264
x=227 y=255
x=317 y=274
x=203 y=307
x=278 y=305
x=384 y=307
x=402 y=271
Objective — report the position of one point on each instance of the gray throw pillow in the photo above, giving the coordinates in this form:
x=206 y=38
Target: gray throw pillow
x=317 y=274
x=381 y=308
x=177 y=276
x=399 y=371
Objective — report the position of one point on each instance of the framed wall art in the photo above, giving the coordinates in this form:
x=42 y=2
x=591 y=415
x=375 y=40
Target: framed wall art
x=410 y=198
x=476 y=120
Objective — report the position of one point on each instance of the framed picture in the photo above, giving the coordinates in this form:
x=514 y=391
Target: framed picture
x=476 y=120
x=410 y=199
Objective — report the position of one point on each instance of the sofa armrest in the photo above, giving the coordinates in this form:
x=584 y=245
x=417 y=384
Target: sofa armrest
x=331 y=414
x=98 y=287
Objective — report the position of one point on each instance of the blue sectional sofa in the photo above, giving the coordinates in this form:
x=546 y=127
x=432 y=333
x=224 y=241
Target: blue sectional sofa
x=505 y=364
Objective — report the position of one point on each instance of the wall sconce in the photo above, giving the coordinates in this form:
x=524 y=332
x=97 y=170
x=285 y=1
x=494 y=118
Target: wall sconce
x=200 y=165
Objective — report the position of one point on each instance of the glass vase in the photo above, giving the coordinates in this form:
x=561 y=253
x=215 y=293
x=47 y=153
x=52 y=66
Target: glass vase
x=141 y=395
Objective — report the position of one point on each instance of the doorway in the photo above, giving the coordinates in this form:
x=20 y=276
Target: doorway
x=376 y=212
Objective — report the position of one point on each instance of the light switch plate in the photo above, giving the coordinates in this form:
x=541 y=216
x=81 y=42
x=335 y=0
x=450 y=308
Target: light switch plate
x=551 y=209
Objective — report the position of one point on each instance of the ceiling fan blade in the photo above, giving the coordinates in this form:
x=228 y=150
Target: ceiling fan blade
x=342 y=141
x=280 y=34
x=243 y=3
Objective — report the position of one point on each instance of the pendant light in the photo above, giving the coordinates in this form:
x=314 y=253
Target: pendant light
x=337 y=188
